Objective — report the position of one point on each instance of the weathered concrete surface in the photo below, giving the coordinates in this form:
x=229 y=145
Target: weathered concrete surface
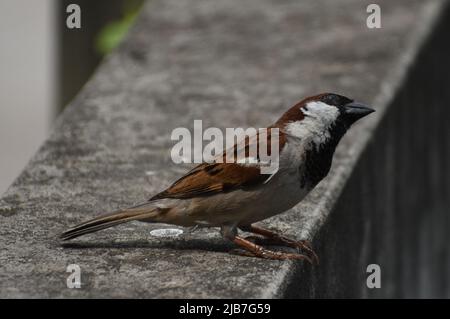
x=394 y=210
x=231 y=63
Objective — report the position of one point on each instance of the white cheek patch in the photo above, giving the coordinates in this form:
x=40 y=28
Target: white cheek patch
x=322 y=112
x=315 y=126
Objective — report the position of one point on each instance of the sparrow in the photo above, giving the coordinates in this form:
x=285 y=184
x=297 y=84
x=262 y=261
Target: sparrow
x=236 y=195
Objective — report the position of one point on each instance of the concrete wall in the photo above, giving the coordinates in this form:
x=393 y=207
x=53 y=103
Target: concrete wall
x=240 y=63
x=395 y=208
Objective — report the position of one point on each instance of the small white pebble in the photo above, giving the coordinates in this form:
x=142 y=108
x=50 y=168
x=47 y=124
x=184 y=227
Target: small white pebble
x=166 y=232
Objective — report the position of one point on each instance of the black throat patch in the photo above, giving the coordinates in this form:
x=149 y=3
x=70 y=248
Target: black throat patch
x=318 y=158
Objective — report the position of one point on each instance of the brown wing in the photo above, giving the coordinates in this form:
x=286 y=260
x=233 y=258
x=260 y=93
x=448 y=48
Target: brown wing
x=208 y=179
x=212 y=178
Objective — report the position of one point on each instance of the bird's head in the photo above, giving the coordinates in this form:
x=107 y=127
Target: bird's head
x=322 y=116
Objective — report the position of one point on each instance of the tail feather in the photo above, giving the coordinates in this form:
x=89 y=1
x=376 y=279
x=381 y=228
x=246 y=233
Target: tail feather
x=142 y=211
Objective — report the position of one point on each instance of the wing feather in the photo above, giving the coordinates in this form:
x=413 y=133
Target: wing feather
x=211 y=178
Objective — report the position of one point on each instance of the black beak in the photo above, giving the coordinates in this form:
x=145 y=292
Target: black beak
x=354 y=111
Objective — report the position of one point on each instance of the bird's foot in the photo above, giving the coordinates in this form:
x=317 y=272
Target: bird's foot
x=272 y=238
x=254 y=250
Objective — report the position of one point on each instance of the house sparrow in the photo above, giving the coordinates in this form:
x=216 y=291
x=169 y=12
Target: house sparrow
x=236 y=195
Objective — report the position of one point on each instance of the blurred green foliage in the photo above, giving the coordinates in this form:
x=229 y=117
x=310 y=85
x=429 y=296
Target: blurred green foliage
x=112 y=33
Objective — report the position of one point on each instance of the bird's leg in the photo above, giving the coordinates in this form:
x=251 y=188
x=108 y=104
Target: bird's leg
x=272 y=238
x=193 y=229
x=254 y=250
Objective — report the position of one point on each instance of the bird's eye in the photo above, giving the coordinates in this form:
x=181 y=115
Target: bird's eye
x=306 y=108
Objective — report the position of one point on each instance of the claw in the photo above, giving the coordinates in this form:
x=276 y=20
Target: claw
x=302 y=245
x=272 y=238
x=253 y=250
x=306 y=245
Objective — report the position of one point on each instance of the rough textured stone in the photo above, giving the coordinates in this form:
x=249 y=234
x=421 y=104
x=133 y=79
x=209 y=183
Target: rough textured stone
x=230 y=63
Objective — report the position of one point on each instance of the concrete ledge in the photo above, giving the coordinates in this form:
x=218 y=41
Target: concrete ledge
x=240 y=63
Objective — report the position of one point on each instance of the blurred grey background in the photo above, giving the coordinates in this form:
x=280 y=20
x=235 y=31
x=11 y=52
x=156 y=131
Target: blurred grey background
x=28 y=81
x=43 y=65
